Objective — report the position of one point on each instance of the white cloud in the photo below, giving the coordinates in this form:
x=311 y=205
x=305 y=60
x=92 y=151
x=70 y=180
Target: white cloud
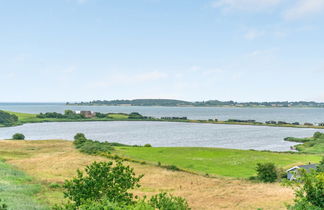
x=249 y=5
x=253 y=34
x=304 y=8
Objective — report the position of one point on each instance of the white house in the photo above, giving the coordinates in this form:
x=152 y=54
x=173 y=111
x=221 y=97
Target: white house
x=292 y=173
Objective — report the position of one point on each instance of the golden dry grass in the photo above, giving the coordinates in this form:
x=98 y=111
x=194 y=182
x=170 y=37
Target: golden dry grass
x=55 y=161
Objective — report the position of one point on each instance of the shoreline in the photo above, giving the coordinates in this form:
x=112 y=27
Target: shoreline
x=33 y=119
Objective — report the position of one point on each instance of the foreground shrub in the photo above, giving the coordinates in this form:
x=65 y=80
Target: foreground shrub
x=18 y=136
x=165 y=201
x=309 y=191
x=102 y=180
x=266 y=172
x=105 y=186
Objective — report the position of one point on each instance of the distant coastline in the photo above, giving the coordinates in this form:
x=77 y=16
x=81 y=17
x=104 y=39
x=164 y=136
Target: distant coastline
x=209 y=103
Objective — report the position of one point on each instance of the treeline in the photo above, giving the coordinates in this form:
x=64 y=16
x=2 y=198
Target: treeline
x=171 y=102
x=69 y=114
x=7 y=119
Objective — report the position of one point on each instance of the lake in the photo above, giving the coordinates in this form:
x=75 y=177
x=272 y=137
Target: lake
x=166 y=134
x=302 y=115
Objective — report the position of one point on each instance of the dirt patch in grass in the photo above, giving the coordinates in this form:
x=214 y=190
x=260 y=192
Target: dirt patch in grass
x=54 y=161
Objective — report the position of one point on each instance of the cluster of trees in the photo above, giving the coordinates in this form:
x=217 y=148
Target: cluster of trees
x=7 y=119
x=68 y=114
x=171 y=102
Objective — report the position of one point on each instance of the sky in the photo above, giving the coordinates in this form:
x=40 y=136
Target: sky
x=82 y=50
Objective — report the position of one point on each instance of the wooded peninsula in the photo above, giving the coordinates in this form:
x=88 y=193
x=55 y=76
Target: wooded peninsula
x=209 y=103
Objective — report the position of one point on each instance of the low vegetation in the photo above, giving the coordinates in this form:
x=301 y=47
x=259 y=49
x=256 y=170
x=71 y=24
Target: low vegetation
x=17 y=190
x=7 y=119
x=314 y=144
x=51 y=162
x=214 y=161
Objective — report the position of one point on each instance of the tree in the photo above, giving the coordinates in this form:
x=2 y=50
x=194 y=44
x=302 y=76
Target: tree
x=102 y=180
x=309 y=191
x=266 y=172
x=18 y=136
x=79 y=140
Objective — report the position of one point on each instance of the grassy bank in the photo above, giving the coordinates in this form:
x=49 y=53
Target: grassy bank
x=214 y=161
x=32 y=118
x=52 y=162
x=311 y=145
x=17 y=190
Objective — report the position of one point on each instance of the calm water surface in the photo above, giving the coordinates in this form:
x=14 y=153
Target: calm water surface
x=166 y=134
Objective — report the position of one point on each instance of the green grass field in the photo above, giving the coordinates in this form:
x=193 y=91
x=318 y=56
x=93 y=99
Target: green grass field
x=17 y=190
x=213 y=161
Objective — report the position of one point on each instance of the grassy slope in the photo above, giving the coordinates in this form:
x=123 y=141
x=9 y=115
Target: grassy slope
x=16 y=189
x=214 y=161
x=55 y=161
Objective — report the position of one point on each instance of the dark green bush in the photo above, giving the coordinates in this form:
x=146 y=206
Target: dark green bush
x=95 y=147
x=147 y=145
x=164 y=201
x=79 y=140
x=266 y=172
x=18 y=136
x=102 y=180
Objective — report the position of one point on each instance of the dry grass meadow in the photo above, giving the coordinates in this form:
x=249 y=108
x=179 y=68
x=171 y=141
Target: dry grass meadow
x=54 y=161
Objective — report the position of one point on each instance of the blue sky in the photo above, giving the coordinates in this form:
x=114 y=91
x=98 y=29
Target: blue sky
x=80 y=50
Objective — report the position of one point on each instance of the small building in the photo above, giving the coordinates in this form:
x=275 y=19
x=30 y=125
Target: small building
x=88 y=114
x=292 y=173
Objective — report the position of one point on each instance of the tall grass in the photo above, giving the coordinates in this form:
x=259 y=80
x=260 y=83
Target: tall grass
x=16 y=189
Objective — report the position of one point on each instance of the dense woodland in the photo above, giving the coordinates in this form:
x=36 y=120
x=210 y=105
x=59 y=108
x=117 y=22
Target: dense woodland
x=171 y=102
